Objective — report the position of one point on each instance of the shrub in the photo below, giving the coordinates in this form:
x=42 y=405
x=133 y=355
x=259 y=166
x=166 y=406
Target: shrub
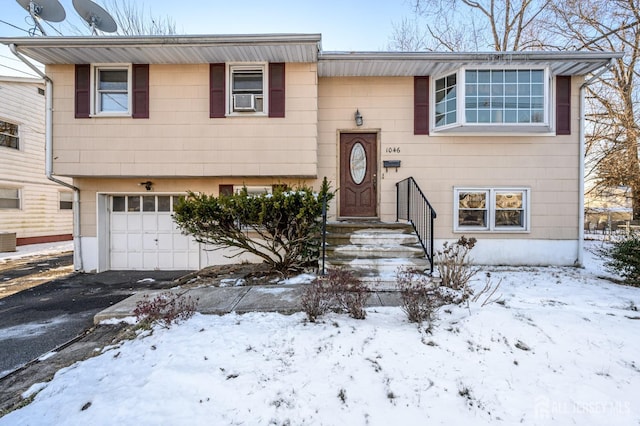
x=166 y=309
x=453 y=263
x=418 y=297
x=340 y=290
x=623 y=258
x=285 y=223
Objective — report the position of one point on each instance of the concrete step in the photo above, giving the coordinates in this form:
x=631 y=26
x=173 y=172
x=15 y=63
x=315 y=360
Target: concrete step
x=355 y=251
x=378 y=266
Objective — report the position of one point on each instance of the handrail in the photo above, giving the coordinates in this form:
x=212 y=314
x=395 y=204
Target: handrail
x=324 y=232
x=413 y=206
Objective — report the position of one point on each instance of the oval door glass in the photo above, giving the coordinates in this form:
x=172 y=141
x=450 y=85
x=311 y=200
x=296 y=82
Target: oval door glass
x=358 y=163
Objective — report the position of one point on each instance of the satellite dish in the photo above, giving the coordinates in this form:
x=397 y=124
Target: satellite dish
x=48 y=10
x=96 y=16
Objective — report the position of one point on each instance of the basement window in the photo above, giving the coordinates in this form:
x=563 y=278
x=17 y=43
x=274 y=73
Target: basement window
x=491 y=209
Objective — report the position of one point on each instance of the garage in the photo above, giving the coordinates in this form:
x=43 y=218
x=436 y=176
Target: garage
x=143 y=235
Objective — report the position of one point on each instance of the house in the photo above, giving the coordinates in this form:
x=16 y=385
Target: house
x=33 y=208
x=493 y=140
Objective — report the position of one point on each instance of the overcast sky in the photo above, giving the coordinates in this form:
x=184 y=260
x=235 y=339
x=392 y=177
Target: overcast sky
x=345 y=25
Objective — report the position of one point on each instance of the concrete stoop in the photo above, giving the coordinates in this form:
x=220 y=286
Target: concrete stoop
x=375 y=251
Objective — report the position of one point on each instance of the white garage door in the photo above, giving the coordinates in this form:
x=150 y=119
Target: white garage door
x=144 y=236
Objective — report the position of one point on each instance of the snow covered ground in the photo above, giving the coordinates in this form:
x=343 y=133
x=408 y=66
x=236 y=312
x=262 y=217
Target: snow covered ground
x=561 y=348
x=37 y=250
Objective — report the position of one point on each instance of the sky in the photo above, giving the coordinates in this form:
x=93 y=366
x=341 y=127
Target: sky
x=345 y=25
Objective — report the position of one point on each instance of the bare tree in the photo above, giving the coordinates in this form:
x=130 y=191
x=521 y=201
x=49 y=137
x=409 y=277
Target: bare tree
x=134 y=19
x=612 y=132
x=467 y=25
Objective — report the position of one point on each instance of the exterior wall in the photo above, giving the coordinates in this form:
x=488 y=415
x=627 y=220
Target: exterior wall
x=179 y=138
x=548 y=165
x=39 y=218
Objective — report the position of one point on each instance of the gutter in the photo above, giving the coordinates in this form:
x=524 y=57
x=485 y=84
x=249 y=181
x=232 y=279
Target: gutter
x=48 y=150
x=580 y=258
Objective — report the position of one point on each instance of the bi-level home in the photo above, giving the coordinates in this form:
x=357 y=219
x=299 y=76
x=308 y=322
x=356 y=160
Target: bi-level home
x=33 y=209
x=494 y=141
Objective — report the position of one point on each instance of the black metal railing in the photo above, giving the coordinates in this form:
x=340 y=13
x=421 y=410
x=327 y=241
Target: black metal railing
x=324 y=233
x=413 y=206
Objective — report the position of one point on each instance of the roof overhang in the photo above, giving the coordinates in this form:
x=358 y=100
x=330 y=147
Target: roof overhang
x=405 y=64
x=169 y=49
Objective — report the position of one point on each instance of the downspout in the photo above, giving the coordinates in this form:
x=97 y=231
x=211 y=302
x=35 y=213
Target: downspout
x=48 y=152
x=581 y=186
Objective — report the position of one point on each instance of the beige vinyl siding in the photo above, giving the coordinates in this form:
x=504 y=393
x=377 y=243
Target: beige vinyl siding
x=39 y=215
x=548 y=165
x=90 y=187
x=179 y=138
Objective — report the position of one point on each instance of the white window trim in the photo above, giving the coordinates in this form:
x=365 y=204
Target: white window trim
x=491 y=210
x=264 y=66
x=19 y=191
x=20 y=144
x=94 y=90
x=546 y=127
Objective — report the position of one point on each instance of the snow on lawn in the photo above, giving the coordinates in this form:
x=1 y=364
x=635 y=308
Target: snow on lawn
x=562 y=348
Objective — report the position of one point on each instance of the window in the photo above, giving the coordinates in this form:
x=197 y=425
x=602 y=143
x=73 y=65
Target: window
x=66 y=200
x=9 y=136
x=491 y=209
x=492 y=97
x=112 y=90
x=9 y=198
x=247 y=88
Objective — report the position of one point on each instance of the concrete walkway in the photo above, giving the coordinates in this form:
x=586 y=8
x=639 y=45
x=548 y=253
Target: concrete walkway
x=223 y=300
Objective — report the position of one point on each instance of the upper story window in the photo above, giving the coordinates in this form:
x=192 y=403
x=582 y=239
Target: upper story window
x=247 y=89
x=502 y=99
x=9 y=198
x=112 y=90
x=9 y=136
x=491 y=209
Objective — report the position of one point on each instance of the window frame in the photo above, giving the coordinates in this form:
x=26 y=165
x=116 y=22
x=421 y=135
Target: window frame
x=17 y=136
x=491 y=210
x=18 y=198
x=68 y=203
x=461 y=124
x=95 y=98
x=247 y=66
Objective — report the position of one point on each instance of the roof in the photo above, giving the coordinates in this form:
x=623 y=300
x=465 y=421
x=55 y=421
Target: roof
x=24 y=80
x=169 y=49
x=199 y=49
x=394 y=64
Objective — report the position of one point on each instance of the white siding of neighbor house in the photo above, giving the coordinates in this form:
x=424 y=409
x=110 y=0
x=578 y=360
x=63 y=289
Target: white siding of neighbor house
x=39 y=215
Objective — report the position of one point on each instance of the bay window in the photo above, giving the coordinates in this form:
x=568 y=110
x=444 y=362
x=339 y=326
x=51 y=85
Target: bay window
x=501 y=99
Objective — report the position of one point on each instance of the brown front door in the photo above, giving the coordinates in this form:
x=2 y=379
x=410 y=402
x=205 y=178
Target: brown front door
x=358 y=175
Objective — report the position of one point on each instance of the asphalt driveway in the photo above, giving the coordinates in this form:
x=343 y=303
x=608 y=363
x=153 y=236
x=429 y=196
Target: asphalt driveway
x=37 y=320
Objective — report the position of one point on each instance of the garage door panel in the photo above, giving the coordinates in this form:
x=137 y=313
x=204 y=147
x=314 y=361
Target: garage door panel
x=134 y=242
x=149 y=222
x=149 y=242
x=119 y=242
x=165 y=222
x=118 y=222
x=134 y=222
x=165 y=242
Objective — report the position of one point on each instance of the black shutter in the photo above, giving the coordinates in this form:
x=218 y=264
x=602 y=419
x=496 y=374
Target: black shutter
x=140 y=90
x=563 y=105
x=217 y=91
x=83 y=91
x=276 y=89
x=421 y=105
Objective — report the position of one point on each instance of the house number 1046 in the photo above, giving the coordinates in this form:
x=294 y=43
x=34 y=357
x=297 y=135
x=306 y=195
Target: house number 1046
x=393 y=149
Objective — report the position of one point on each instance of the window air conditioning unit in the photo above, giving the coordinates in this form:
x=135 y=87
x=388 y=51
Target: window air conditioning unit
x=244 y=102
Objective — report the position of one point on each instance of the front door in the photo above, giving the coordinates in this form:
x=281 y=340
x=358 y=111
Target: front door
x=358 y=175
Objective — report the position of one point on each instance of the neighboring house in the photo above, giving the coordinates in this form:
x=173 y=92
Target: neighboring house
x=31 y=206
x=492 y=139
